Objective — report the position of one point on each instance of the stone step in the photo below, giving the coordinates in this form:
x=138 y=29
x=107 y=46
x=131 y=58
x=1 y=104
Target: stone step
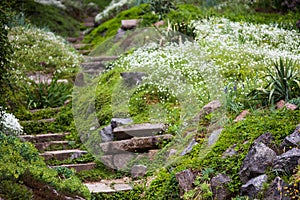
x=79 y=167
x=57 y=109
x=137 y=130
x=136 y=144
x=93 y=72
x=93 y=65
x=44 y=137
x=99 y=58
x=100 y=187
x=84 y=52
x=41 y=146
x=80 y=46
x=38 y=121
x=63 y=154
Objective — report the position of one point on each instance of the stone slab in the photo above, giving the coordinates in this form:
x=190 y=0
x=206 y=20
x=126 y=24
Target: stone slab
x=44 y=137
x=136 y=144
x=52 y=144
x=99 y=188
x=63 y=154
x=80 y=167
x=137 y=130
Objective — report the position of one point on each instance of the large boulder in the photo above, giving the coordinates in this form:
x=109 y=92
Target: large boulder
x=185 y=180
x=253 y=186
x=218 y=187
x=276 y=190
x=292 y=140
x=287 y=161
x=258 y=159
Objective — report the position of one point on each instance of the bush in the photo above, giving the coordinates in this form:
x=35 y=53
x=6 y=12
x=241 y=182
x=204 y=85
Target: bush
x=9 y=124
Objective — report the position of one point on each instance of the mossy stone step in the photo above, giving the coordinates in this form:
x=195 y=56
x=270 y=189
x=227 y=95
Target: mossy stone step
x=44 y=137
x=50 y=120
x=78 y=167
x=84 y=52
x=93 y=65
x=63 y=154
x=101 y=187
x=57 y=109
x=137 y=130
x=80 y=46
x=100 y=58
x=136 y=144
x=61 y=145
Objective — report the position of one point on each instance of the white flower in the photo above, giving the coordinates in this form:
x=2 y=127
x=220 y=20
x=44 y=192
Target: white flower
x=9 y=124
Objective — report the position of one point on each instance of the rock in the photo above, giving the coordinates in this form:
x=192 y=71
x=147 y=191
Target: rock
x=287 y=161
x=159 y=23
x=268 y=139
x=133 y=78
x=136 y=144
x=209 y=108
x=57 y=3
x=121 y=160
x=253 y=186
x=214 y=136
x=107 y=134
x=108 y=161
x=115 y=122
x=218 y=187
x=292 y=140
x=242 y=115
x=229 y=152
x=120 y=34
x=276 y=190
x=138 y=130
x=189 y=148
x=291 y=106
x=129 y=24
x=258 y=159
x=138 y=171
x=185 y=180
x=172 y=152
x=280 y=104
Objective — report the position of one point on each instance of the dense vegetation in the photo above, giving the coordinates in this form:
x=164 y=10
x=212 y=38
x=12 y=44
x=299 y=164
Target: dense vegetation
x=244 y=54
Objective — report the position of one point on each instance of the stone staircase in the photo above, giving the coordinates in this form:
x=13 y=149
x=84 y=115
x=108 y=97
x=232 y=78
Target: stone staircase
x=55 y=146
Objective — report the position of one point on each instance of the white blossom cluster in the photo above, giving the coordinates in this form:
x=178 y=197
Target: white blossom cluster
x=114 y=4
x=36 y=48
x=9 y=124
x=225 y=54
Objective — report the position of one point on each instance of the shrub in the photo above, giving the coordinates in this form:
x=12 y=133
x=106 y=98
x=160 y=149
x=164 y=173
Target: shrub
x=283 y=83
x=44 y=95
x=9 y=124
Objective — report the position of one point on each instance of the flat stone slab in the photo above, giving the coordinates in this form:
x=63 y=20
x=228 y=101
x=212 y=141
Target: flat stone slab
x=57 y=109
x=44 y=137
x=38 y=121
x=93 y=65
x=63 y=154
x=100 y=187
x=129 y=24
x=79 y=167
x=99 y=58
x=80 y=46
x=52 y=144
x=137 y=130
x=136 y=144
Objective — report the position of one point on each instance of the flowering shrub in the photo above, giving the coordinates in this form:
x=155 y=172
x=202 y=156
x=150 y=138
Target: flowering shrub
x=115 y=5
x=39 y=50
x=9 y=124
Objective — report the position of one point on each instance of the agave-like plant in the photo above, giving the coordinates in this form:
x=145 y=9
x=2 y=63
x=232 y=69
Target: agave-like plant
x=283 y=83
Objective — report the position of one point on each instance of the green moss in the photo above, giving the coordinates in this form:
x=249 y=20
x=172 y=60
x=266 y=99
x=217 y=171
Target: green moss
x=51 y=17
x=110 y=27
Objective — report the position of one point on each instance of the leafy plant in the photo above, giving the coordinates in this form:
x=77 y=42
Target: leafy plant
x=42 y=95
x=283 y=83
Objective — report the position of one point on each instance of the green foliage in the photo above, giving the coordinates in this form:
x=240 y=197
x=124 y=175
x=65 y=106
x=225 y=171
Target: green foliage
x=283 y=83
x=44 y=95
x=135 y=194
x=46 y=16
x=14 y=191
x=21 y=164
x=163 y=187
x=110 y=28
x=162 y=7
